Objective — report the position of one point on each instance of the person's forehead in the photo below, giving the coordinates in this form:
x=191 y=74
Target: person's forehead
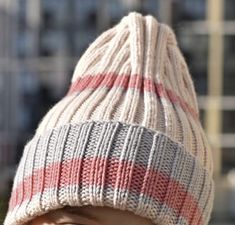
x=96 y=215
x=65 y=214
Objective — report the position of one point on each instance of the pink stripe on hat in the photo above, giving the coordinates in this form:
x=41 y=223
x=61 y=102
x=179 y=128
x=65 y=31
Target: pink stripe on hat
x=125 y=81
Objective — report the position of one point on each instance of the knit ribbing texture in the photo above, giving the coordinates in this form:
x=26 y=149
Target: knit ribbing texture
x=126 y=135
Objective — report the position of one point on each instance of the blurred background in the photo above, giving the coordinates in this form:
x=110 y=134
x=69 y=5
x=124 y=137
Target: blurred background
x=42 y=40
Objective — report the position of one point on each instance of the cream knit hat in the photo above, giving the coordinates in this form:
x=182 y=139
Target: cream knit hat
x=127 y=135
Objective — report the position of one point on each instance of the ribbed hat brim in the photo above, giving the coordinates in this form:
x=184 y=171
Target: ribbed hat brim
x=123 y=166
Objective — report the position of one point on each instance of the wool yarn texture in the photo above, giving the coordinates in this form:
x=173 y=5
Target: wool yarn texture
x=127 y=134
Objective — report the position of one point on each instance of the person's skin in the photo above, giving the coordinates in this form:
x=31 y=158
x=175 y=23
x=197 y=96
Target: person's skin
x=90 y=215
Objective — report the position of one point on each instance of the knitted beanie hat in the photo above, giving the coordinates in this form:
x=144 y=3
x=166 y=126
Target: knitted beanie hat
x=127 y=135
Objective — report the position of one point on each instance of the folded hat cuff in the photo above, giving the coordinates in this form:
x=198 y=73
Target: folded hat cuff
x=111 y=163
